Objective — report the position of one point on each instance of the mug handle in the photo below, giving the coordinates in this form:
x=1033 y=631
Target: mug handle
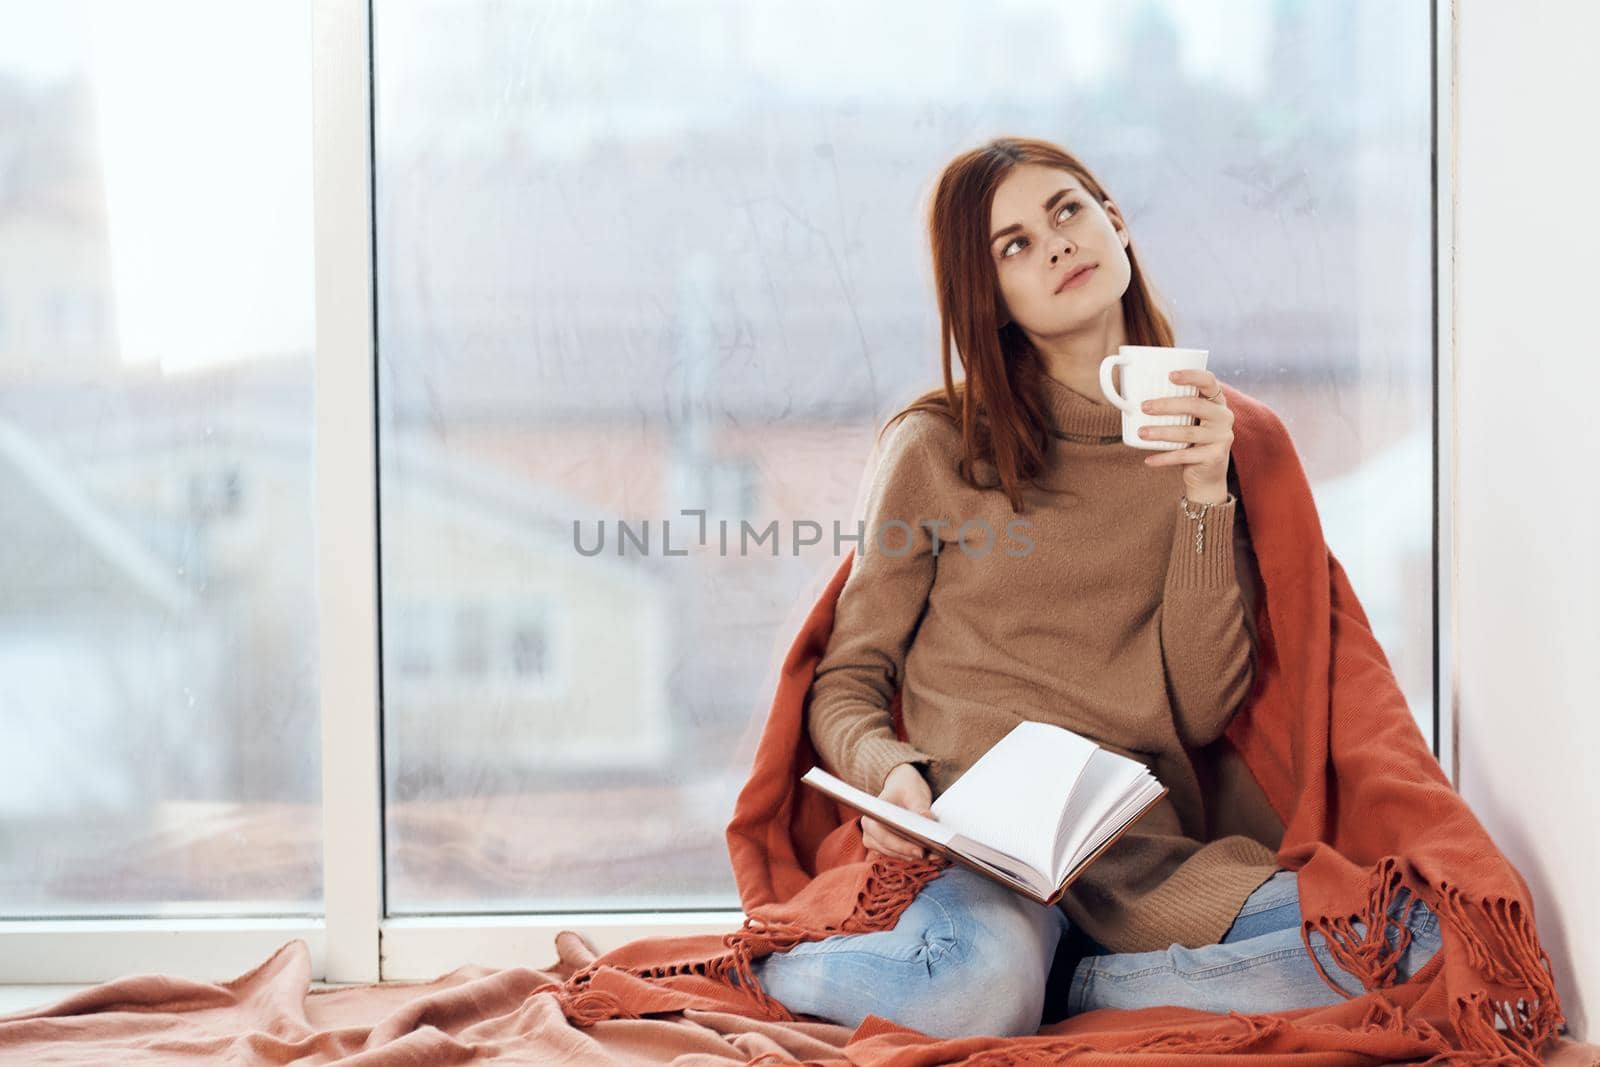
x=1119 y=359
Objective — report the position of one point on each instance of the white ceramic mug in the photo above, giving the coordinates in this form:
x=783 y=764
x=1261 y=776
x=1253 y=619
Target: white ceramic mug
x=1144 y=377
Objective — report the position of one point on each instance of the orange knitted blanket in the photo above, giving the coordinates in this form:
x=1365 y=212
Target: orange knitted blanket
x=1327 y=734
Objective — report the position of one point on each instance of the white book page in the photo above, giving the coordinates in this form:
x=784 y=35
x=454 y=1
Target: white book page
x=1107 y=782
x=1014 y=796
x=878 y=808
x=1099 y=807
x=1145 y=792
x=1008 y=868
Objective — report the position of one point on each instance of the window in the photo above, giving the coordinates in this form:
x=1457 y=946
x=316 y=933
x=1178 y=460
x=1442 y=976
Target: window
x=622 y=263
x=528 y=645
x=471 y=640
x=158 y=623
x=636 y=261
x=477 y=642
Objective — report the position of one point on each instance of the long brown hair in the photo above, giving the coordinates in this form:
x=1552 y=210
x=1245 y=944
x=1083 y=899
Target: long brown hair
x=998 y=405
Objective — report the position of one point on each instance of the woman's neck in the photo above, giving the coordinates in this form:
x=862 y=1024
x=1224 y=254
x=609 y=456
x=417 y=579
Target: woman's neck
x=1074 y=359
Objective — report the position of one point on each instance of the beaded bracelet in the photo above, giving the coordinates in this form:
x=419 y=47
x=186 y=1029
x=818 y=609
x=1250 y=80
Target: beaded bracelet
x=1200 y=531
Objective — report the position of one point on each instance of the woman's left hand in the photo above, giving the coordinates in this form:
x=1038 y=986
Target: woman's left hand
x=1205 y=460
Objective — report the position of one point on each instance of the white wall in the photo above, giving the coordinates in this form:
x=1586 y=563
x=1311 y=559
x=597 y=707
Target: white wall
x=1527 y=265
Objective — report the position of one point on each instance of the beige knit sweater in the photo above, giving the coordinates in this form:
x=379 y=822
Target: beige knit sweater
x=1091 y=609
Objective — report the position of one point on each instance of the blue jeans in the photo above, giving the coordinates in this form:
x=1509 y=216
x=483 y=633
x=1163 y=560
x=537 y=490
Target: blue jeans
x=970 y=957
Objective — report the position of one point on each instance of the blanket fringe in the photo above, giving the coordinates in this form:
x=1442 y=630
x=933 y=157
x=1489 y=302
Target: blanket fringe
x=1367 y=957
x=1507 y=952
x=1501 y=941
x=890 y=887
x=1502 y=945
x=1237 y=1033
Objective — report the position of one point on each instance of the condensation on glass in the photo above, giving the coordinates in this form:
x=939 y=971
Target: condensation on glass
x=635 y=259
x=161 y=751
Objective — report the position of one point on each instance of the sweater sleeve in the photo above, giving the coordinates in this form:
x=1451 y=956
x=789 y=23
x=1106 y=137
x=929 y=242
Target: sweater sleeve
x=1207 y=630
x=877 y=614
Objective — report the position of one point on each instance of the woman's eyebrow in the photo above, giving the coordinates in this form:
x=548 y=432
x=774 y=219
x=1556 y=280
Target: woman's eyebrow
x=1048 y=204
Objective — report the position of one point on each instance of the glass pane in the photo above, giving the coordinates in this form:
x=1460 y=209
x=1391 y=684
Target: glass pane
x=634 y=260
x=161 y=746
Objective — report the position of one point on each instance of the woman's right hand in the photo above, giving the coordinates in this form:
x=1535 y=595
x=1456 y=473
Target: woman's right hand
x=906 y=787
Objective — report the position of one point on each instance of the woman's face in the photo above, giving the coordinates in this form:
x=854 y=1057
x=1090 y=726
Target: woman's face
x=1046 y=226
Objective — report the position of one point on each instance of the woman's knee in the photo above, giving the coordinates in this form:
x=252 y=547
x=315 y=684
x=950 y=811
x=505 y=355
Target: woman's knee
x=967 y=958
x=988 y=995
x=989 y=977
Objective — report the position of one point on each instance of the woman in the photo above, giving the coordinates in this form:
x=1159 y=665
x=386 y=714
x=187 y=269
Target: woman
x=1125 y=612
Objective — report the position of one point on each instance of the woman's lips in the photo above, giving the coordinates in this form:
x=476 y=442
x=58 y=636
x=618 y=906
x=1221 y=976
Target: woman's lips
x=1079 y=278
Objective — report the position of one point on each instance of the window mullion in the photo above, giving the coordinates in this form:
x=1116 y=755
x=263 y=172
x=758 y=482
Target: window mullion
x=346 y=489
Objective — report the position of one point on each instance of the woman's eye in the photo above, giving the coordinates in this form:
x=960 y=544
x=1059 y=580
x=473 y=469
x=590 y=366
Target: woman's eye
x=1006 y=251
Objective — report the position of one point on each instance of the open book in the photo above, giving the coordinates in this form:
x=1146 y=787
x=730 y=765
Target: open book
x=1033 y=812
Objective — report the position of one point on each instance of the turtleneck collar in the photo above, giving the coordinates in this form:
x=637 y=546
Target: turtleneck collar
x=1075 y=416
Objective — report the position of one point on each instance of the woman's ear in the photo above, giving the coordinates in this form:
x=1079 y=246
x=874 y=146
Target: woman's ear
x=1114 y=213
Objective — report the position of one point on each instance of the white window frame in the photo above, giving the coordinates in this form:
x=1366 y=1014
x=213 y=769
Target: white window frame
x=353 y=941
x=1446 y=669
